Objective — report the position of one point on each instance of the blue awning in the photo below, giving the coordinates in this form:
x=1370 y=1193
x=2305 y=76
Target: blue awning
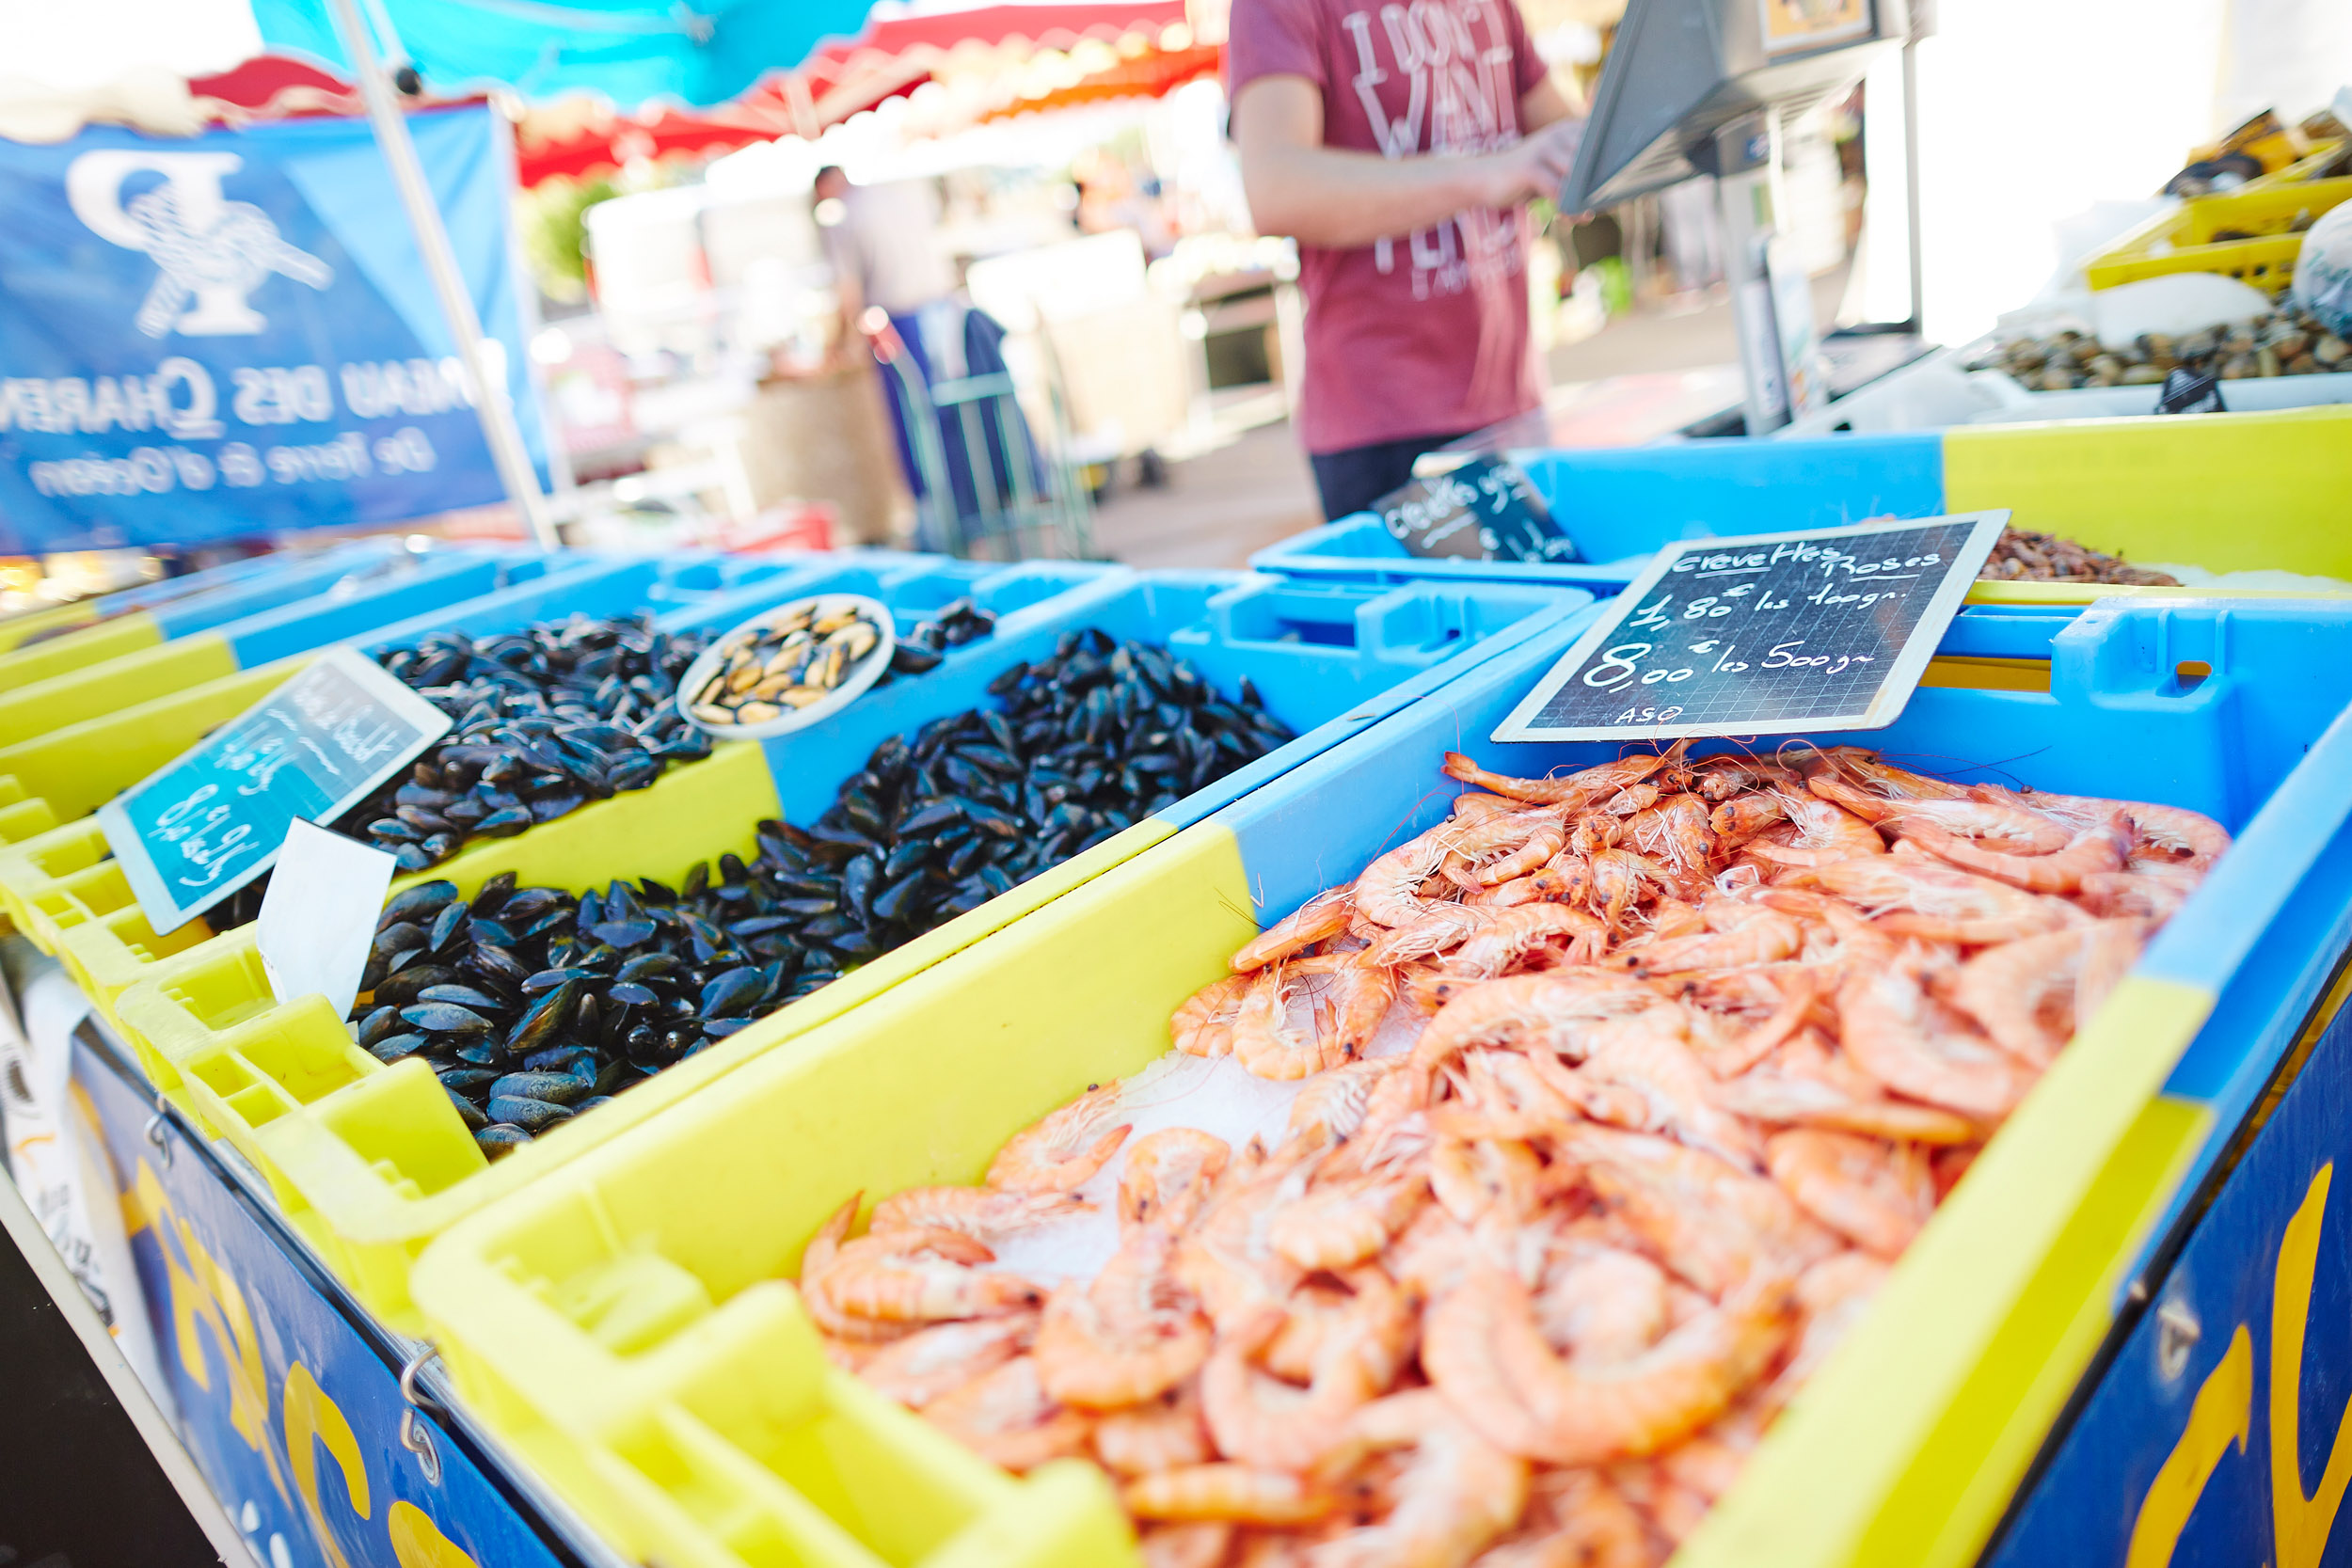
x=698 y=52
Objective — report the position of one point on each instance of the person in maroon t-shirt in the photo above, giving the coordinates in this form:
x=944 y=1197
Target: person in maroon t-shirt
x=1398 y=144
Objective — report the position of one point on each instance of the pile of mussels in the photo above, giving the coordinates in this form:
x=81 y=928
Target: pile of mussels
x=547 y=720
x=533 y=1004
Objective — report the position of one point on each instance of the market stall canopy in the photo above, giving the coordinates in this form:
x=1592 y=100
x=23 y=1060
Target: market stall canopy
x=995 y=60
x=630 y=51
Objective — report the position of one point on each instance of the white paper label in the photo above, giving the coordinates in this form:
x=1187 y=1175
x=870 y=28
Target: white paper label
x=319 y=915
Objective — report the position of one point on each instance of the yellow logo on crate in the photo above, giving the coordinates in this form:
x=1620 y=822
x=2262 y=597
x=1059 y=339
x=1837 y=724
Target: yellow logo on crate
x=203 y=1293
x=2222 y=1415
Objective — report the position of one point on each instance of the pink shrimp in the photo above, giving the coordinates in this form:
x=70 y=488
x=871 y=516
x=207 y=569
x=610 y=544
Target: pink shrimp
x=1744 y=817
x=1914 y=1045
x=1007 y=1418
x=1128 y=1336
x=1337 y=1100
x=1738 y=936
x=1060 y=1152
x=2189 y=837
x=1232 y=1492
x=1203 y=1024
x=1830 y=1296
x=1601 y=1302
x=1161 y=1434
x=1618 y=877
x=1203 y=1543
x=1914 y=896
x=1874 y=1193
x=1574 y=789
x=1444 y=928
x=944 y=1357
x=1499 y=1010
x=1708 y=1221
x=1265 y=1045
x=2102 y=848
x=1555 y=883
x=1548 y=839
x=1386 y=893
x=915 y=1275
x=1360 y=999
x=2149 y=890
x=1457 y=1494
x=1649 y=1056
x=1318 y=919
x=1677 y=830
x=1819 y=835
x=1344 y=1222
x=1508 y=938
x=1587 y=1412
x=2031 y=995
x=1168 y=1176
x=1784 y=1097
x=816 y=1260
x=1261 y=1420
x=2019 y=831
x=1885 y=779
x=984 y=1213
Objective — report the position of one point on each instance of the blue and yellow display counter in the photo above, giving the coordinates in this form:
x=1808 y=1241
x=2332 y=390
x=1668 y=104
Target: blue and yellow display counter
x=2227 y=492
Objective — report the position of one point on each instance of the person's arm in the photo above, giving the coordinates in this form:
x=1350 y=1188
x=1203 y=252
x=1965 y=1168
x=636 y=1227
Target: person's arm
x=1335 y=196
x=1545 y=105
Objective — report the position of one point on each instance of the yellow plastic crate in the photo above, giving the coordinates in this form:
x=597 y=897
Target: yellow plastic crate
x=2185 y=240
x=372 y=1162
x=16 y=629
x=641 y=1289
x=78 y=650
x=109 y=687
x=2227 y=492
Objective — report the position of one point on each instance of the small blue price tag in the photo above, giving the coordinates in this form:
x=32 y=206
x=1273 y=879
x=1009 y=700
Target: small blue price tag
x=215 y=817
x=1482 y=510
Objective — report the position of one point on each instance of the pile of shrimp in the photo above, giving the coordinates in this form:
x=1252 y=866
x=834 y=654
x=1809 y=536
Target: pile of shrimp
x=1696 y=1049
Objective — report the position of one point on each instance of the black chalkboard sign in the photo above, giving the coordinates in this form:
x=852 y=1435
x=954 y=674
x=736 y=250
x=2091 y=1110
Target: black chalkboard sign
x=1485 y=510
x=1773 y=634
x=213 y=817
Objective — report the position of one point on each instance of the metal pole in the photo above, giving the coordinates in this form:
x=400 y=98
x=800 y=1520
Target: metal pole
x=491 y=404
x=1911 y=181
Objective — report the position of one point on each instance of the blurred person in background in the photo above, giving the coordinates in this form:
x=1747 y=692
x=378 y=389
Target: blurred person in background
x=1399 y=146
x=898 y=297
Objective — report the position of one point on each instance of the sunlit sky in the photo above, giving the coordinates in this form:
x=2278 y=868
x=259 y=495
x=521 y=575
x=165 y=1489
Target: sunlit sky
x=80 y=43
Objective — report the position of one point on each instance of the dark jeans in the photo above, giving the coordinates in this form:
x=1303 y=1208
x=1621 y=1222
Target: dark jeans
x=1351 y=481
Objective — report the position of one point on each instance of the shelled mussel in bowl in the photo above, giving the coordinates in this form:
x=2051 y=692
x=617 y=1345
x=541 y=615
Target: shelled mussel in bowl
x=788 y=667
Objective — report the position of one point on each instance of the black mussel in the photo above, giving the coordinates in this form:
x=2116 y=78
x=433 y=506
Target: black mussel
x=732 y=992
x=405 y=987
x=444 y=1018
x=500 y=1140
x=556 y=1088
x=531 y=1116
x=464 y=996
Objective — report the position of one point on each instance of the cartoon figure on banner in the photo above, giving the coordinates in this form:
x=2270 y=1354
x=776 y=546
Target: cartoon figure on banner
x=208 y=249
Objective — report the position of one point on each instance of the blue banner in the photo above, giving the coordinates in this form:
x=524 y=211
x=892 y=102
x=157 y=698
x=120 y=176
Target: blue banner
x=233 y=334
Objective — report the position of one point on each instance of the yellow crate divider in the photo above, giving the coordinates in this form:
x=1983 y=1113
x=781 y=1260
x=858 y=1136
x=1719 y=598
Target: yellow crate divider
x=16 y=629
x=2184 y=240
x=79 y=650
x=2229 y=492
x=376 y=1166
x=119 y=683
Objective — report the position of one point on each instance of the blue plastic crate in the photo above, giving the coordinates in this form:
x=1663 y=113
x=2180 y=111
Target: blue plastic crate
x=1620 y=506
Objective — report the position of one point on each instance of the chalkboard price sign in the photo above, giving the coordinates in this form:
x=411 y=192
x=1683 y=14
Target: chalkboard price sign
x=1485 y=510
x=214 y=817
x=1772 y=634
